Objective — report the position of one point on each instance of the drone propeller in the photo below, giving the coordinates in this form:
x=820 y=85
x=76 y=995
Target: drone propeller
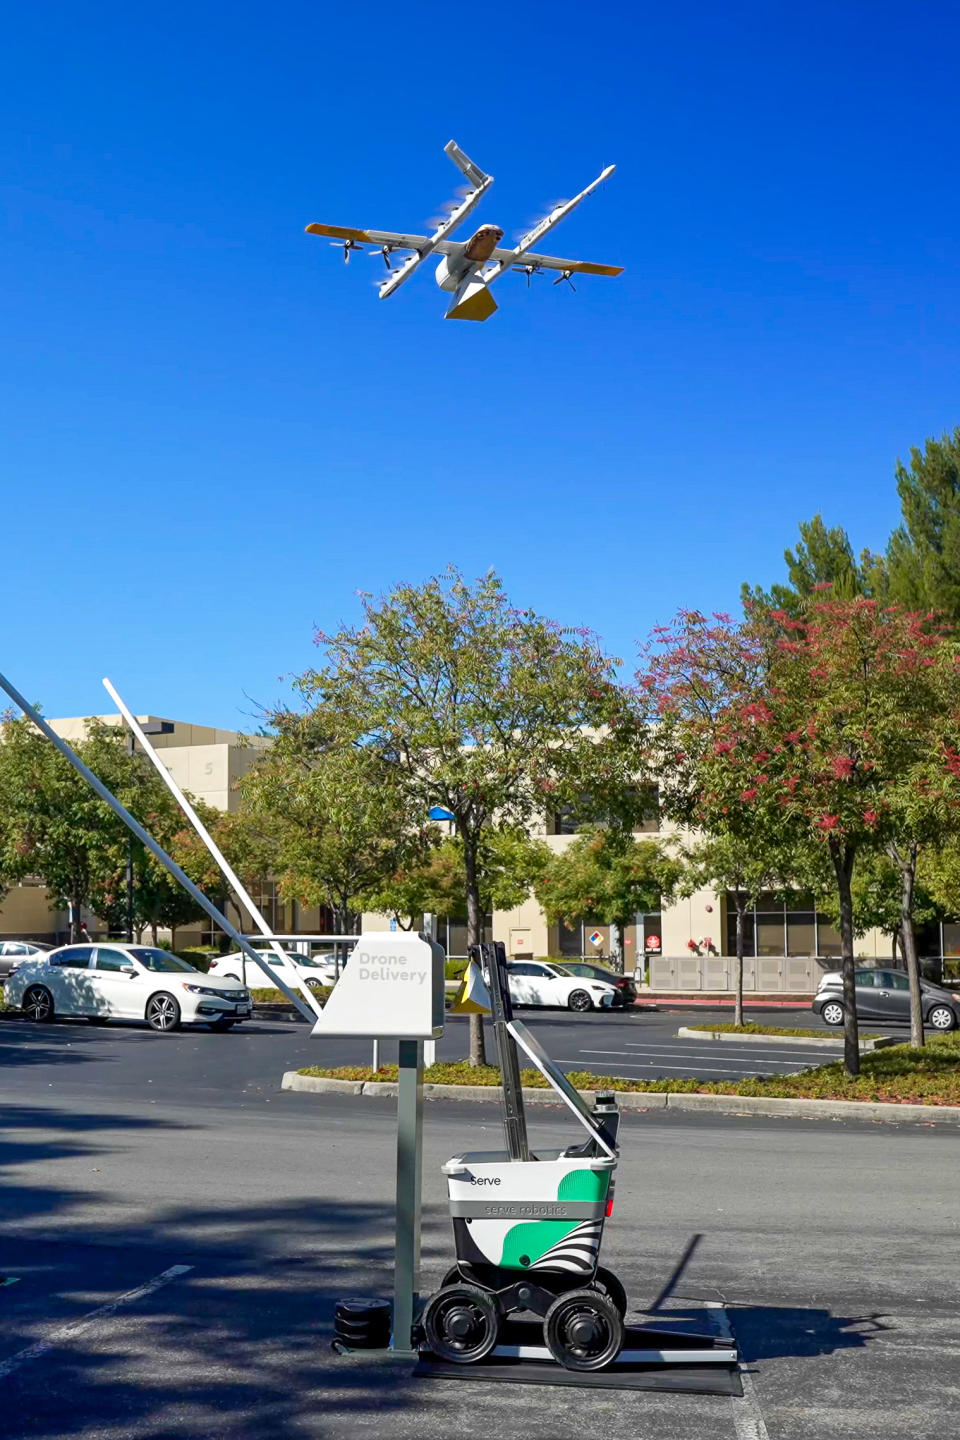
x=565 y=276
x=346 y=246
x=529 y=270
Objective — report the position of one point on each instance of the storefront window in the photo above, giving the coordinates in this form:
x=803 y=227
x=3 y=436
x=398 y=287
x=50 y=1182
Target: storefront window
x=775 y=929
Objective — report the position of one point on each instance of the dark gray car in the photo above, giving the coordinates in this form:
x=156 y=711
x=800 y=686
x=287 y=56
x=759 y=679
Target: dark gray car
x=885 y=995
x=12 y=952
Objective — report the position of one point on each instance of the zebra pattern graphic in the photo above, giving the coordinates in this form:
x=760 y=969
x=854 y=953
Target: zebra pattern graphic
x=576 y=1252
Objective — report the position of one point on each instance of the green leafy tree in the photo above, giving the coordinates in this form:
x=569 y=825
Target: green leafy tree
x=815 y=730
x=822 y=558
x=491 y=712
x=607 y=874
x=924 y=552
x=324 y=818
x=55 y=827
x=509 y=863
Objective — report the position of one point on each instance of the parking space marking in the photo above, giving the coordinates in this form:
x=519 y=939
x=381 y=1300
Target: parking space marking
x=706 y=1063
x=657 y=1068
x=78 y=1327
x=697 y=1055
x=748 y=1419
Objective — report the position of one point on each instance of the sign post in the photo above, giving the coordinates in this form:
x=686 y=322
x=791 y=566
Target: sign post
x=393 y=988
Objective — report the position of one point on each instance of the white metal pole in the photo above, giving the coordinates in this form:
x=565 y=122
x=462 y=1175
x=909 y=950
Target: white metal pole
x=230 y=874
x=98 y=786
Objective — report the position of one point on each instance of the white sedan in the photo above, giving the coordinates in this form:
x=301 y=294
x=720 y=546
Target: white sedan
x=535 y=982
x=125 y=982
x=321 y=970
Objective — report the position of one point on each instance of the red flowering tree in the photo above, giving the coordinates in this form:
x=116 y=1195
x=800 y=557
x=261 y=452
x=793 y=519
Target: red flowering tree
x=836 y=730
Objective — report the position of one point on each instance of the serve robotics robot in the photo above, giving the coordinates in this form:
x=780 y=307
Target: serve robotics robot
x=528 y=1226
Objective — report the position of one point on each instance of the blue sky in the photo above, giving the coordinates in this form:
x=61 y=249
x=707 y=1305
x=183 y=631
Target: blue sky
x=214 y=434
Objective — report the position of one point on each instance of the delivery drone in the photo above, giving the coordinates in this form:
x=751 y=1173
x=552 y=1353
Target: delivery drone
x=469 y=267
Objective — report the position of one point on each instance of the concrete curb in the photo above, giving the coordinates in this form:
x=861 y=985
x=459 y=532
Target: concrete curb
x=815 y=1042
x=654 y=1100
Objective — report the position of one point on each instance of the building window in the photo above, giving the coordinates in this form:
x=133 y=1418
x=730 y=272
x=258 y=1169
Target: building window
x=782 y=927
x=452 y=934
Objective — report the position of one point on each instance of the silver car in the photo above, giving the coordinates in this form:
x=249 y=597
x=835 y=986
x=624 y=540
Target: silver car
x=14 y=952
x=885 y=995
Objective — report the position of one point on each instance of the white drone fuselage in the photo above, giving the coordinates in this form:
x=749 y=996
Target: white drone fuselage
x=463 y=274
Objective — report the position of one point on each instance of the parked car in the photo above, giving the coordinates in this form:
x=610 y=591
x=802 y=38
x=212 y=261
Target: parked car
x=125 y=982
x=885 y=995
x=535 y=982
x=590 y=970
x=316 y=971
x=14 y=952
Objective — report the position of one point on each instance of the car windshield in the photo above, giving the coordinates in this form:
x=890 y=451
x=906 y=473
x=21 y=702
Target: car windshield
x=160 y=960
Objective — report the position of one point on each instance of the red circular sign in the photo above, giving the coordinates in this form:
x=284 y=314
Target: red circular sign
x=653 y=942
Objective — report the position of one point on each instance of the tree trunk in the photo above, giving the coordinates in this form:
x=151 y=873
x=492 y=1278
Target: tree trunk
x=153 y=932
x=907 y=865
x=478 y=1048
x=843 y=858
x=616 y=945
x=75 y=906
x=741 y=916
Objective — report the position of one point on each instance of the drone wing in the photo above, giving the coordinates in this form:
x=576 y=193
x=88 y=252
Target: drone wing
x=369 y=237
x=421 y=245
x=521 y=254
x=531 y=259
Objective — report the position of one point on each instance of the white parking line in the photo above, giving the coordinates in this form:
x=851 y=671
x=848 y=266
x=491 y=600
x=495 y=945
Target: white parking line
x=78 y=1327
x=658 y=1068
x=753 y=1050
x=700 y=1061
x=748 y=1418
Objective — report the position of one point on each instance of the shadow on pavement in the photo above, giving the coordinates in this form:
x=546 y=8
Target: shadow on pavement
x=768 y=1332
x=238 y=1346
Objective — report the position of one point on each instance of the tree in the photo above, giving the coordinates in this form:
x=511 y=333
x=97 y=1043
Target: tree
x=55 y=827
x=923 y=555
x=823 y=557
x=608 y=875
x=324 y=818
x=467 y=703
x=744 y=865
x=508 y=865
x=814 y=730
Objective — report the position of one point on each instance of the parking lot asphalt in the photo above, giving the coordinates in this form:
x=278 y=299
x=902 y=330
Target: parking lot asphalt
x=246 y=1064
x=176 y=1262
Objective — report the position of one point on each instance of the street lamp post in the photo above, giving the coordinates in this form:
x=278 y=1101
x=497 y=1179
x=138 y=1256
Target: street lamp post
x=149 y=727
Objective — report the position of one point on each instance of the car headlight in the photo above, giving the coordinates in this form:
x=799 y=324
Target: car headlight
x=203 y=990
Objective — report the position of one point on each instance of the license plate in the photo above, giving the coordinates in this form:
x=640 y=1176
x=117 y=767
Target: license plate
x=243 y=1009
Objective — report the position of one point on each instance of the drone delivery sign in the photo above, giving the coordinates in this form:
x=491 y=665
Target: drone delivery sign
x=391 y=987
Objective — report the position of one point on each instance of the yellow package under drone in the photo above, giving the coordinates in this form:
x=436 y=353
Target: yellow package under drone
x=472 y=998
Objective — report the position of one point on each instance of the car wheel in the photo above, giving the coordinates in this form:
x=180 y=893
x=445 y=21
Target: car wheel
x=579 y=1000
x=163 y=1012
x=221 y=1025
x=832 y=1013
x=941 y=1017
x=38 y=1004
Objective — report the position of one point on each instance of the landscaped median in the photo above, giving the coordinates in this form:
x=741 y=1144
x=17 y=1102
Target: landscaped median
x=896 y=1084
x=758 y=1034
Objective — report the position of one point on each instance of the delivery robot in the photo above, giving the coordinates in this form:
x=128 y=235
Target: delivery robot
x=528 y=1227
